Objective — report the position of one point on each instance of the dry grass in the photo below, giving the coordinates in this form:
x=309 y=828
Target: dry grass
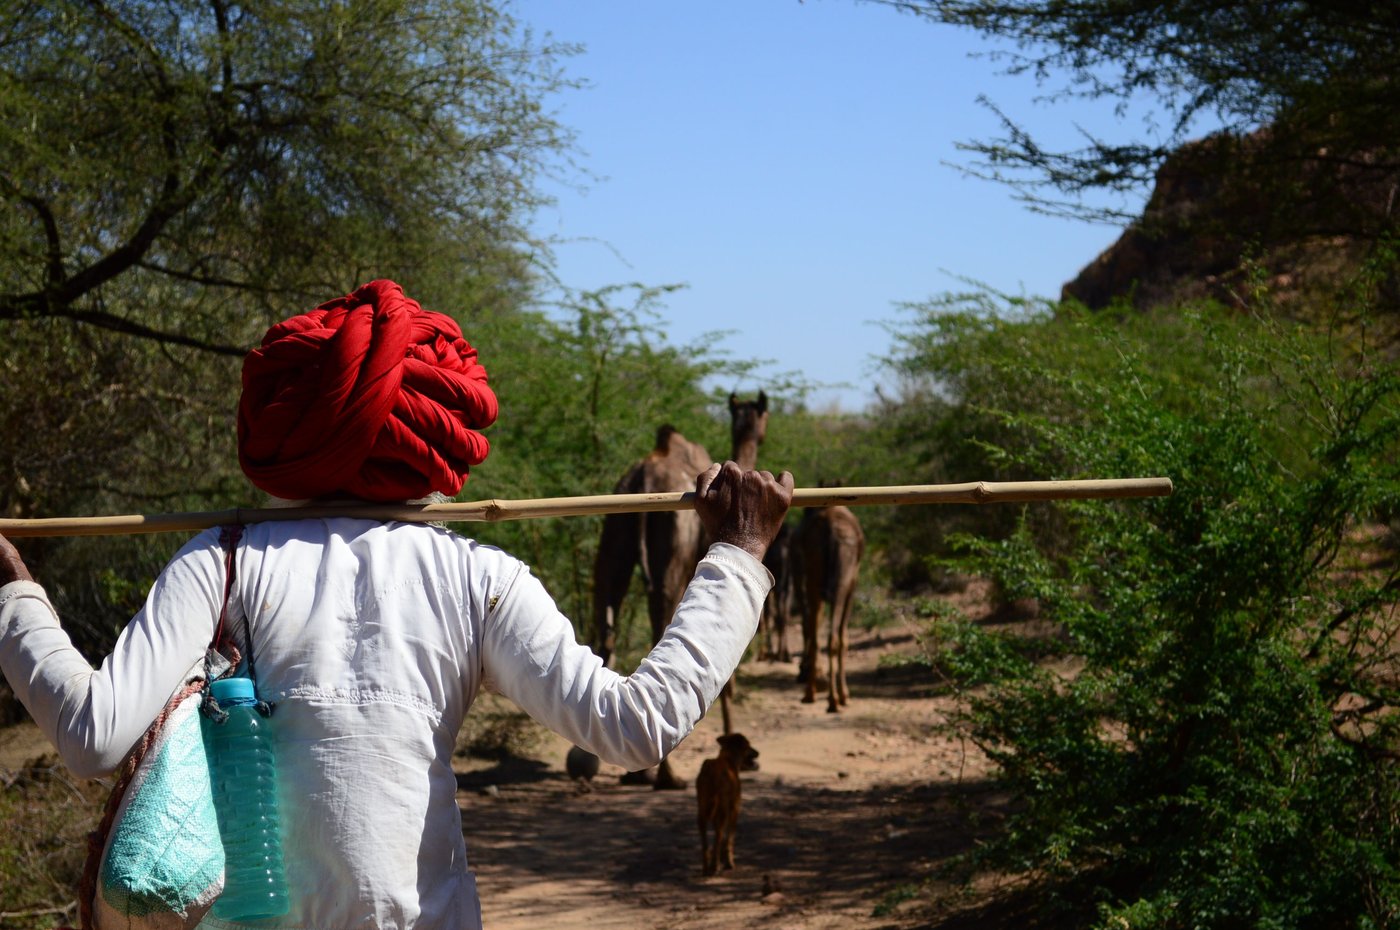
x=47 y=816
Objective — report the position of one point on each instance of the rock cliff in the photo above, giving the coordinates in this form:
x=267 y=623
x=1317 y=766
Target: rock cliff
x=1230 y=212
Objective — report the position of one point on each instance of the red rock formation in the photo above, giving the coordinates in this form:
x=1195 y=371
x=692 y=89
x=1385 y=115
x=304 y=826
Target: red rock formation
x=1230 y=212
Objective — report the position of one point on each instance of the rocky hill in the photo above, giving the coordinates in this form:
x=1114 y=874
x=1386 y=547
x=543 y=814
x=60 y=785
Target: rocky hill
x=1230 y=212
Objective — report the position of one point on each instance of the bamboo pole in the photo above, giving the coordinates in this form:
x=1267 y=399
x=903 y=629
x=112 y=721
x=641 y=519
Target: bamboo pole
x=494 y=511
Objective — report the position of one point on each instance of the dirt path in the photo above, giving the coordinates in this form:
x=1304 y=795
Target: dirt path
x=846 y=813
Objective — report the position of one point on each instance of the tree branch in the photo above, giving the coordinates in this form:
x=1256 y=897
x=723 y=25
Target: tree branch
x=54 y=271
x=1381 y=594
x=192 y=277
x=62 y=291
x=117 y=324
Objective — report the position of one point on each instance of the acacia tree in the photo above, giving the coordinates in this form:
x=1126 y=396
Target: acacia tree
x=169 y=167
x=1320 y=75
x=176 y=174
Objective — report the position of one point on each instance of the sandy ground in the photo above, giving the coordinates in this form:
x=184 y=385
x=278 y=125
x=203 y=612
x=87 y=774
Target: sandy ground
x=845 y=815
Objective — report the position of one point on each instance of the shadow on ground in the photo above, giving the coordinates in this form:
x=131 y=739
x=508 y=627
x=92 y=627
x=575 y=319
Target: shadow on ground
x=893 y=680
x=816 y=847
x=507 y=769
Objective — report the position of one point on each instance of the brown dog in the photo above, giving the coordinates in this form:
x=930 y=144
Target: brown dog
x=717 y=796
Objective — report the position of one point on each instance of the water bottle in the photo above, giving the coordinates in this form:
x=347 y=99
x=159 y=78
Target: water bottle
x=243 y=771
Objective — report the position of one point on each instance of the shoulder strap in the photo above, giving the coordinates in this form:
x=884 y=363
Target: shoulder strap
x=228 y=538
x=221 y=644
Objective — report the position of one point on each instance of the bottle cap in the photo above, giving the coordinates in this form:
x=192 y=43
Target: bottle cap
x=233 y=689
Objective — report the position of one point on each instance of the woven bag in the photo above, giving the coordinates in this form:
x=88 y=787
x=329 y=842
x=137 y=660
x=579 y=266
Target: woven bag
x=156 y=862
x=163 y=865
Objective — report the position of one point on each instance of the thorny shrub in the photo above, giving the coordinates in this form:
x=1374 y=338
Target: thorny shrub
x=1225 y=754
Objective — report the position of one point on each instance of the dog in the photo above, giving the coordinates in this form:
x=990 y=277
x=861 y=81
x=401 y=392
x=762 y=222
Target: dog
x=717 y=800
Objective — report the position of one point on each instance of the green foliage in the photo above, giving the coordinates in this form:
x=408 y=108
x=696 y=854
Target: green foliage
x=873 y=609
x=177 y=175
x=1223 y=753
x=582 y=395
x=821 y=447
x=927 y=433
x=187 y=171
x=100 y=423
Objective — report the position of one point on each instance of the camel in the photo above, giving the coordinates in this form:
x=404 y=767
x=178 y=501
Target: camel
x=667 y=544
x=748 y=425
x=826 y=548
x=772 y=629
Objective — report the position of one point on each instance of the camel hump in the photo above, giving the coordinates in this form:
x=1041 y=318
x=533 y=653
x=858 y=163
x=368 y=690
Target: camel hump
x=663 y=438
x=845 y=526
x=686 y=456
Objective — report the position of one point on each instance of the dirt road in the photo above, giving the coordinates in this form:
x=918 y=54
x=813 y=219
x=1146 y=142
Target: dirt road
x=847 y=813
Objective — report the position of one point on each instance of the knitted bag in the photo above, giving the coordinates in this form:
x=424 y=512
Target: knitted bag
x=156 y=861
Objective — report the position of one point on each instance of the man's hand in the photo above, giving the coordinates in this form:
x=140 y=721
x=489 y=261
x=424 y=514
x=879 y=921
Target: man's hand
x=12 y=567
x=742 y=508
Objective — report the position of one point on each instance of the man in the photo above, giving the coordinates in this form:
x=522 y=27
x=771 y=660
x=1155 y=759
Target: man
x=372 y=639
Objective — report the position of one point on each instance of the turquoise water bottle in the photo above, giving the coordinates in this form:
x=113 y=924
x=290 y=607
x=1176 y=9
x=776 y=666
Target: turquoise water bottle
x=243 y=770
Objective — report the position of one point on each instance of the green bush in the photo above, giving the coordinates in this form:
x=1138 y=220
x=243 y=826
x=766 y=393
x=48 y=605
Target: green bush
x=1225 y=754
x=930 y=434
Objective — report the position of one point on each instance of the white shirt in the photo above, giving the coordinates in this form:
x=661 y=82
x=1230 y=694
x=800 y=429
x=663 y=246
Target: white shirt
x=372 y=640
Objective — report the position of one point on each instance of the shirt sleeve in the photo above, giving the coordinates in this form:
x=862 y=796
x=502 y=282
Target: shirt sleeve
x=94 y=717
x=531 y=654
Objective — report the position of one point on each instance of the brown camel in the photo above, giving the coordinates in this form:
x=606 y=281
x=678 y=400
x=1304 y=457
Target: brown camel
x=772 y=629
x=827 y=547
x=748 y=426
x=667 y=544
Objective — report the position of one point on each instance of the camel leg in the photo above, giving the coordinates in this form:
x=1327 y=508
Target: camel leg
x=726 y=844
x=605 y=633
x=832 y=632
x=773 y=627
x=838 y=689
x=773 y=649
x=842 y=692
x=780 y=630
x=770 y=625
x=666 y=777
x=725 y=716
x=707 y=852
x=764 y=637
x=799 y=607
x=811 y=624
x=662 y=601
x=618 y=551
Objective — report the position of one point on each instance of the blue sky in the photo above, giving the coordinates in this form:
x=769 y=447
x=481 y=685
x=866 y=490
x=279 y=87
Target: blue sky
x=789 y=163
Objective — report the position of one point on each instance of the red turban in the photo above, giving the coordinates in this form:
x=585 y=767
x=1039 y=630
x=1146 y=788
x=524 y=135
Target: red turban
x=370 y=396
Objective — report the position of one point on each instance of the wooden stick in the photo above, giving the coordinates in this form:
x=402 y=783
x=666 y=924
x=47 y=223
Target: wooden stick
x=494 y=511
